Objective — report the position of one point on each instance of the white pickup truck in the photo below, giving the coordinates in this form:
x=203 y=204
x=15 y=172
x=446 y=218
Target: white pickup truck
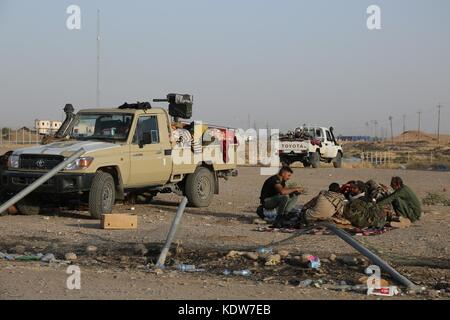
x=310 y=145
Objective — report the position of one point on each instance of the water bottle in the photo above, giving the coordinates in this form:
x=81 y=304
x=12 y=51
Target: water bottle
x=186 y=267
x=244 y=273
x=264 y=251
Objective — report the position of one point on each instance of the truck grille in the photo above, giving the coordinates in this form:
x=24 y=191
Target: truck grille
x=39 y=161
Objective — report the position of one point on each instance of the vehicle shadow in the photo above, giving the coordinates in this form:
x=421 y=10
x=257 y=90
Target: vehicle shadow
x=172 y=207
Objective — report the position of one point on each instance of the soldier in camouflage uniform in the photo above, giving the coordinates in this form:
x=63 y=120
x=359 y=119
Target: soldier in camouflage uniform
x=375 y=192
x=361 y=211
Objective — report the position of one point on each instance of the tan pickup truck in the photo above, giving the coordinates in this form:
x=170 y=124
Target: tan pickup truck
x=135 y=149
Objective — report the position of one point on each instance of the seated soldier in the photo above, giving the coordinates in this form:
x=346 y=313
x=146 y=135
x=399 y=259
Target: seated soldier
x=357 y=191
x=346 y=189
x=361 y=212
x=325 y=206
x=405 y=202
x=275 y=194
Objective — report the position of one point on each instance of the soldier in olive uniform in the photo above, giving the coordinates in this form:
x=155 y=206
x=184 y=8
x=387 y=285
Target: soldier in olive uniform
x=404 y=201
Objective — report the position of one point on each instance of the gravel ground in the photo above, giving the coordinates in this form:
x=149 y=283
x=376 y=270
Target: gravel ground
x=118 y=269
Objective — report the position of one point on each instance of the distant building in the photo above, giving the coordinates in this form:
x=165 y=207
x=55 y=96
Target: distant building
x=355 y=138
x=47 y=126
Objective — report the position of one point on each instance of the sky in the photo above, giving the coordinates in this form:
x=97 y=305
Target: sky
x=278 y=63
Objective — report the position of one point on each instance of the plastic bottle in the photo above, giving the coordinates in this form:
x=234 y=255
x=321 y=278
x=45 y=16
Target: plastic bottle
x=264 y=251
x=186 y=267
x=226 y=272
x=244 y=273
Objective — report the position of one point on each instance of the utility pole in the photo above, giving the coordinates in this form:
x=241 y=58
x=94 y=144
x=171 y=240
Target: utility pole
x=418 y=127
x=392 y=130
x=439 y=125
x=404 y=127
x=367 y=129
x=98 y=59
x=376 y=131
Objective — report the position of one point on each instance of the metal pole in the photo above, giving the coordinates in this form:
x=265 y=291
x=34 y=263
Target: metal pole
x=40 y=181
x=418 y=127
x=371 y=256
x=392 y=130
x=171 y=235
x=439 y=125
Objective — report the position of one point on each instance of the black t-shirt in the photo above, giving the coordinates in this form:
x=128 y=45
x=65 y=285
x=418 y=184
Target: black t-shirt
x=268 y=190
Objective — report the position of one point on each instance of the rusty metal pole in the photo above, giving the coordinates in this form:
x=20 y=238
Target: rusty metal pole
x=22 y=194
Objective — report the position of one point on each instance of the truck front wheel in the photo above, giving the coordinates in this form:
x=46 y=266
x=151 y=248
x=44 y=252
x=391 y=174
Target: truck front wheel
x=29 y=206
x=314 y=159
x=199 y=188
x=102 y=195
x=337 y=163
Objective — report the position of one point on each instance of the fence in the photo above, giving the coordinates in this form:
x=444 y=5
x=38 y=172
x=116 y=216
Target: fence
x=23 y=136
x=390 y=158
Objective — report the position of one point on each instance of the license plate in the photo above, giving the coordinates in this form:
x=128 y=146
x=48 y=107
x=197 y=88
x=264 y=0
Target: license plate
x=297 y=147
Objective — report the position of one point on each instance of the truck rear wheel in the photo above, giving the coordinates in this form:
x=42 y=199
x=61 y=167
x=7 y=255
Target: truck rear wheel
x=337 y=162
x=102 y=195
x=285 y=162
x=314 y=159
x=29 y=206
x=199 y=188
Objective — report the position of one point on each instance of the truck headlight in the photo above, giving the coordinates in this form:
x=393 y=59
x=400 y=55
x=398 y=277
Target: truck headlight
x=80 y=163
x=13 y=161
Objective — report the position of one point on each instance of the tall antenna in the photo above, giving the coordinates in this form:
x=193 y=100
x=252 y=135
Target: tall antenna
x=98 y=59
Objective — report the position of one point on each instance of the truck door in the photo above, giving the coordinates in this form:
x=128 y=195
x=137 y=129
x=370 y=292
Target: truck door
x=150 y=157
x=329 y=147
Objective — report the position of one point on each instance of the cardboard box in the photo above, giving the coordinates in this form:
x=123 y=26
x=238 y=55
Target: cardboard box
x=119 y=221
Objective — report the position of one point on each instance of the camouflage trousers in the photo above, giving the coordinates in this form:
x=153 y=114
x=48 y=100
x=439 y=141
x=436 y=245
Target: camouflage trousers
x=365 y=214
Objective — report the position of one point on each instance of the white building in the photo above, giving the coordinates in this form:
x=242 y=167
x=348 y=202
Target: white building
x=47 y=126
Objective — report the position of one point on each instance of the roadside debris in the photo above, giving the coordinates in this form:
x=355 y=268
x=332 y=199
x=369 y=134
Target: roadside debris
x=273 y=260
x=314 y=262
x=188 y=268
x=119 y=222
x=383 y=291
x=49 y=257
x=29 y=258
x=243 y=273
x=91 y=249
x=70 y=256
x=251 y=255
x=264 y=250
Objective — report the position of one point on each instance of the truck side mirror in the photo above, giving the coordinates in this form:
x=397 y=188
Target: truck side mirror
x=145 y=139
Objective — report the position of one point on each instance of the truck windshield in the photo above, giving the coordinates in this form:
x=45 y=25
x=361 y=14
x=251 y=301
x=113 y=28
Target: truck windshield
x=111 y=127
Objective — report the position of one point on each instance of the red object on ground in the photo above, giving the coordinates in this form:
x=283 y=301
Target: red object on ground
x=12 y=210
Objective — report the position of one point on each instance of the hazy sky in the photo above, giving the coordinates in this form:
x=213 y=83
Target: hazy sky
x=283 y=62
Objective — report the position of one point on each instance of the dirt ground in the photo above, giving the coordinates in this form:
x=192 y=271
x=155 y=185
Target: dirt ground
x=118 y=269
